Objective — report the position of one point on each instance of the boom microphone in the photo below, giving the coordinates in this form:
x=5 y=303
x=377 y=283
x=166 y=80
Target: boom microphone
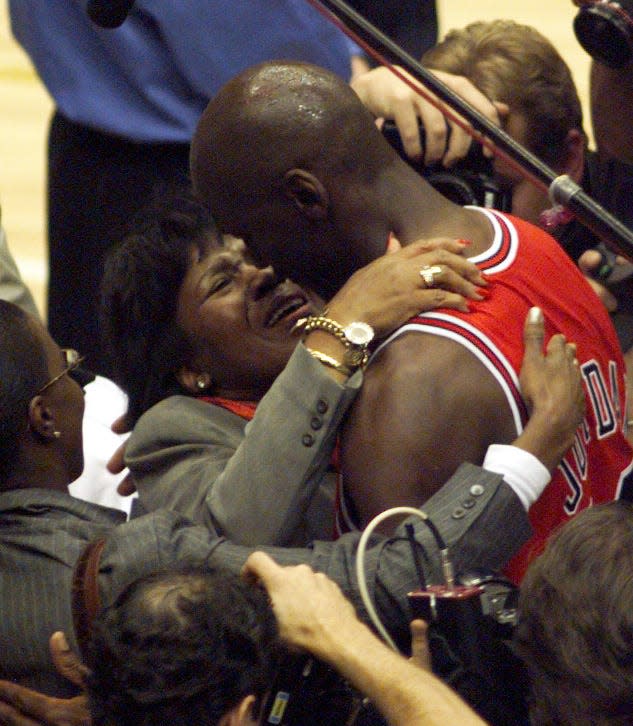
x=108 y=13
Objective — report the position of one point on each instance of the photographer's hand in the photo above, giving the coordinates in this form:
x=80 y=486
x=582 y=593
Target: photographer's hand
x=311 y=610
x=589 y=263
x=388 y=97
x=420 y=651
x=313 y=614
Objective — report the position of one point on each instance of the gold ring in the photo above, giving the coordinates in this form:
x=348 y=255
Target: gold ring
x=428 y=272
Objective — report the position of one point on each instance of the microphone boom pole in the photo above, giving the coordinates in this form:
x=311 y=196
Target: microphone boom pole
x=561 y=188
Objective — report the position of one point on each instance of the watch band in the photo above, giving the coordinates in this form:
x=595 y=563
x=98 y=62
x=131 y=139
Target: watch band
x=356 y=355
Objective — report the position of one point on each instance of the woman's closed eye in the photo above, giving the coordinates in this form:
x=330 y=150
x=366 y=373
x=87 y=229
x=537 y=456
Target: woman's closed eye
x=217 y=283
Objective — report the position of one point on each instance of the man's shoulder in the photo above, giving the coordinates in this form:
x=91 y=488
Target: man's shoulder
x=428 y=364
x=34 y=503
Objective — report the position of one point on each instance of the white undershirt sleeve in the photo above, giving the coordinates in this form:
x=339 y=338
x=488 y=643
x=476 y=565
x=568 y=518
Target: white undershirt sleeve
x=521 y=470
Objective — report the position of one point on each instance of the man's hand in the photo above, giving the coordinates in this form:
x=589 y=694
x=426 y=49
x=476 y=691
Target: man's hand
x=66 y=661
x=388 y=97
x=116 y=463
x=551 y=384
x=20 y=706
x=312 y=613
x=420 y=651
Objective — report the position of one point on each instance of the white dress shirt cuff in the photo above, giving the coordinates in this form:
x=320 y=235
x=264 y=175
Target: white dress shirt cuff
x=521 y=470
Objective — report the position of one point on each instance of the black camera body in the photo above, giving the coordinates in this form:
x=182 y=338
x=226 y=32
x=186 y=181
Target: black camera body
x=470 y=629
x=308 y=692
x=470 y=181
x=470 y=634
x=605 y=31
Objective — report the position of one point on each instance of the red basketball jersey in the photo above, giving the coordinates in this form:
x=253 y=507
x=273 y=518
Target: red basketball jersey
x=526 y=267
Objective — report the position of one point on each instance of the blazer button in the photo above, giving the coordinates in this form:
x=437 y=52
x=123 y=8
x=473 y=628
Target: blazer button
x=476 y=490
x=316 y=423
x=322 y=405
x=307 y=440
x=468 y=503
x=458 y=513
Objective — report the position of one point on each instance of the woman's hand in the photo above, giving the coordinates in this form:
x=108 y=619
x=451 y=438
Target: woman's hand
x=391 y=289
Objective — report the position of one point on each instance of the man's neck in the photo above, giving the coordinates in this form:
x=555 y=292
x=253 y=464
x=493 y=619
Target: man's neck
x=36 y=472
x=420 y=212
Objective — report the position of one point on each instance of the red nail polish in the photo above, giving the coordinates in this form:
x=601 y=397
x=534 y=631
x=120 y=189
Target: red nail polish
x=465 y=242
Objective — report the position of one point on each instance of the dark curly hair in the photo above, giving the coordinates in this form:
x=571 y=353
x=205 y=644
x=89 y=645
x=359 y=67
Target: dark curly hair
x=142 y=277
x=181 y=647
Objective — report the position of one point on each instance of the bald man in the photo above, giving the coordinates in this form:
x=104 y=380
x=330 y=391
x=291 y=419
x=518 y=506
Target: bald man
x=288 y=158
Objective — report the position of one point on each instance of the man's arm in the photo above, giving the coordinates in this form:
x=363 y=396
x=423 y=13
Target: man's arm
x=426 y=406
x=313 y=615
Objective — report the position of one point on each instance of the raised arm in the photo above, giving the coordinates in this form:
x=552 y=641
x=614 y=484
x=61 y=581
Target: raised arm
x=254 y=484
x=313 y=614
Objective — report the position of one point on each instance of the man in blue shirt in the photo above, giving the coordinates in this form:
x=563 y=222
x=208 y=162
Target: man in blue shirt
x=127 y=102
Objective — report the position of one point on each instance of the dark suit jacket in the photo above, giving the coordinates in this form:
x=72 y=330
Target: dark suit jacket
x=43 y=532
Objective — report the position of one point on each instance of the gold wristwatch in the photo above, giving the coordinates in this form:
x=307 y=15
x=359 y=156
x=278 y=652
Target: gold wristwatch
x=356 y=337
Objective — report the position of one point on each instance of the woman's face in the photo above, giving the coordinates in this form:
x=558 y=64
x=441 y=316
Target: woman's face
x=240 y=319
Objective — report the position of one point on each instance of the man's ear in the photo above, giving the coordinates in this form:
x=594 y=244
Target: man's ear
x=307 y=193
x=41 y=419
x=242 y=714
x=574 y=159
x=194 y=381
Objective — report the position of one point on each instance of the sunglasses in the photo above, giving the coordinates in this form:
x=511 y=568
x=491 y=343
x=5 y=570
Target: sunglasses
x=72 y=361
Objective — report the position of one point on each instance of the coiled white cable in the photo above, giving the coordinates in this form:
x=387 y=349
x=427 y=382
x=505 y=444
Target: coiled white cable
x=360 y=565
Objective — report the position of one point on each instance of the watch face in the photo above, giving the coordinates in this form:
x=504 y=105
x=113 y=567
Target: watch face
x=359 y=333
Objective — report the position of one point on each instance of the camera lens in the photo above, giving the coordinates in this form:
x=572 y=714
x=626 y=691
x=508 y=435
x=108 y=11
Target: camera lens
x=605 y=34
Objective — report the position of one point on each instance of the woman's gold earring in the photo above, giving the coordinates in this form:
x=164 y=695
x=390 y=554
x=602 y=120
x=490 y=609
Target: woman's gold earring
x=202 y=382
